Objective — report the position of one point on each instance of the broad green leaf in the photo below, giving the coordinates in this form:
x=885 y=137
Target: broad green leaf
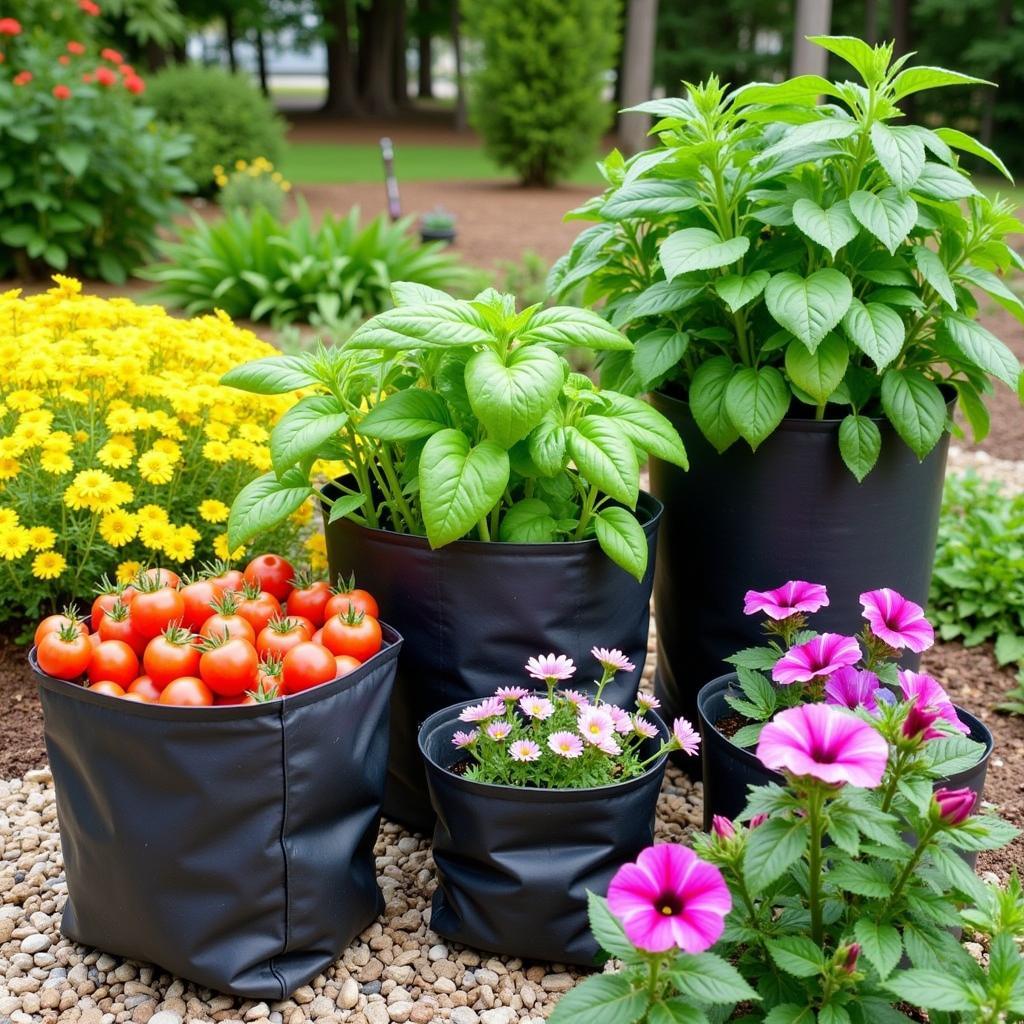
x=608 y=930
x=275 y=375
x=699 y=249
x=74 y=156
x=833 y=1013
x=900 y=152
x=982 y=348
x=888 y=215
x=567 y=325
x=824 y=129
x=876 y=329
x=950 y=755
x=345 y=505
x=622 y=539
x=881 y=944
x=658 y=352
x=546 y=445
x=646 y=428
x=995 y=287
x=710 y=979
x=960 y=140
x=932 y=990
x=265 y=502
x=819 y=372
x=601 y=999
x=528 y=522
x=803 y=89
x=831 y=228
x=757 y=401
x=915 y=407
x=933 y=270
x=707 y=401
x=303 y=429
x=459 y=484
x=772 y=848
x=796 y=955
x=435 y=325
x=860 y=443
x=511 y=399
x=409 y=293
x=605 y=456
x=923 y=77
x=675 y=1011
x=405 y=416
x=937 y=181
x=650 y=197
x=737 y=290
x=663 y=297
x=789 y=1013
x=808 y=307
x=864 y=879
x=854 y=51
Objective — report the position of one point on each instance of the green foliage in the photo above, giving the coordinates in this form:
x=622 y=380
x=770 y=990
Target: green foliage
x=225 y=114
x=978 y=582
x=85 y=174
x=252 y=185
x=773 y=257
x=256 y=266
x=537 y=93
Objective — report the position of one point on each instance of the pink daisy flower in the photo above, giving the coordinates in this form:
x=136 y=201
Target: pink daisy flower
x=537 y=707
x=789 y=599
x=826 y=743
x=623 y=721
x=897 y=621
x=647 y=702
x=512 y=692
x=642 y=727
x=499 y=731
x=931 y=702
x=575 y=698
x=465 y=739
x=821 y=656
x=551 y=668
x=565 y=744
x=524 y=751
x=612 y=659
x=670 y=898
x=490 y=708
x=686 y=736
x=856 y=688
x=609 y=746
x=596 y=725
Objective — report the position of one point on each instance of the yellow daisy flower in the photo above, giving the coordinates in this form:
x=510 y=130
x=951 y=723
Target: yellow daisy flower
x=156 y=467
x=220 y=549
x=9 y=469
x=21 y=401
x=155 y=535
x=152 y=514
x=213 y=511
x=116 y=455
x=117 y=528
x=179 y=548
x=8 y=517
x=127 y=571
x=57 y=463
x=41 y=538
x=13 y=543
x=48 y=565
x=216 y=451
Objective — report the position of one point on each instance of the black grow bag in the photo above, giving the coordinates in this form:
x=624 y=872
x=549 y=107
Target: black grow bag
x=231 y=845
x=473 y=612
x=748 y=520
x=729 y=769
x=514 y=864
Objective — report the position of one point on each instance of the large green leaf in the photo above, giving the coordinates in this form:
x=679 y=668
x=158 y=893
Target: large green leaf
x=809 y=307
x=915 y=407
x=567 y=325
x=819 y=372
x=707 y=401
x=982 y=347
x=511 y=398
x=646 y=427
x=937 y=181
x=771 y=849
x=756 y=400
x=888 y=215
x=275 y=375
x=699 y=249
x=922 y=77
x=737 y=290
x=933 y=270
x=650 y=197
x=796 y=955
x=960 y=140
x=437 y=325
x=860 y=443
x=881 y=944
x=876 y=329
x=265 y=502
x=303 y=429
x=601 y=999
x=528 y=522
x=932 y=990
x=74 y=156
x=622 y=539
x=710 y=979
x=658 y=352
x=854 y=51
x=608 y=930
x=405 y=416
x=675 y=1010
x=900 y=152
x=832 y=228
x=459 y=484
x=663 y=297
x=606 y=457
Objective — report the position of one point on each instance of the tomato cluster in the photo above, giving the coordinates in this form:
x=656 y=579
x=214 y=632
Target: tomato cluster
x=224 y=637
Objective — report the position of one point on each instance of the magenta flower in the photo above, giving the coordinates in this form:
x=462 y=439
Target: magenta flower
x=931 y=702
x=852 y=955
x=897 y=621
x=565 y=744
x=576 y=699
x=686 y=736
x=623 y=721
x=512 y=692
x=490 y=708
x=596 y=725
x=782 y=602
x=465 y=739
x=612 y=659
x=647 y=702
x=856 y=688
x=648 y=730
x=955 y=806
x=670 y=898
x=722 y=827
x=537 y=707
x=826 y=743
x=757 y=820
x=499 y=731
x=551 y=668
x=821 y=656
x=524 y=750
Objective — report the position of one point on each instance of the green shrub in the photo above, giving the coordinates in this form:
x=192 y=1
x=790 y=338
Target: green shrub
x=253 y=265
x=537 y=96
x=227 y=117
x=978 y=583
x=251 y=185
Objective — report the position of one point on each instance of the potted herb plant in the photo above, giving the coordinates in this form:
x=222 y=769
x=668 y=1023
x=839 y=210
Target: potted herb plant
x=816 y=909
x=437 y=226
x=799 y=280
x=492 y=494
x=541 y=796
x=947 y=746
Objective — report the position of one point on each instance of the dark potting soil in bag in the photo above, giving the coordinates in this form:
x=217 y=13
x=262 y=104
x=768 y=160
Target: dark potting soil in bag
x=230 y=845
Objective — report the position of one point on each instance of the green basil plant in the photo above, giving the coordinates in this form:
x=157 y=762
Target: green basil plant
x=461 y=419
x=777 y=256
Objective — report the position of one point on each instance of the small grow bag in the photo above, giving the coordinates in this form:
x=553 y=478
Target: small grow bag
x=231 y=845
x=514 y=864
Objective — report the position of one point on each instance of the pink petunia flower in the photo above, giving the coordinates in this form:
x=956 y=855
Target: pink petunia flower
x=623 y=721
x=647 y=702
x=551 y=668
x=490 y=708
x=642 y=727
x=897 y=621
x=931 y=702
x=465 y=739
x=576 y=699
x=537 y=707
x=820 y=656
x=856 y=688
x=565 y=744
x=595 y=725
x=686 y=736
x=612 y=659
x=499 y=731
x=524 y=751
x=826 y=743
x=789 y=599
x=670 y=898
x=512 y=692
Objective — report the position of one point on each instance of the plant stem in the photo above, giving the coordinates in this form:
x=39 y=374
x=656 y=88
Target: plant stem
x=919 y=852
x=815 y=819
x=586 y=513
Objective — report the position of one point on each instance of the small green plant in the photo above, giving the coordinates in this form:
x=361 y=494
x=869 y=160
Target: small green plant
x=251 y=185
x=438 y=220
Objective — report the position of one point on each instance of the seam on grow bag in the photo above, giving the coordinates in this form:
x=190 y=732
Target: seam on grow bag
x=284 y=853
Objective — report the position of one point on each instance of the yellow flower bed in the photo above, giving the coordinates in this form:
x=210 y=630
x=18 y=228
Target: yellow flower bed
x=118 y=447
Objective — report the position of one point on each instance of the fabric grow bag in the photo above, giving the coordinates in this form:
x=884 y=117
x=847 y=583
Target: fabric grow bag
x=230 y=845
x=514 y=864
x=473 y=612
x=748 y=520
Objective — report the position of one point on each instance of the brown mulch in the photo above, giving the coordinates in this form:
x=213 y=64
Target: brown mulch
x=21 y=720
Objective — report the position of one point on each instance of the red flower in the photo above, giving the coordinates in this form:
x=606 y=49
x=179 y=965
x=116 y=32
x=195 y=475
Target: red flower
x=76 y=48
x=2 y=58
x=88 y=78
x=23 y=78
x=135 y=84
x=89 y=7
x=64 y=59
x=61 y=92
x=105 y=76
x=126 y=70
x=112 y=55
x=10 y=27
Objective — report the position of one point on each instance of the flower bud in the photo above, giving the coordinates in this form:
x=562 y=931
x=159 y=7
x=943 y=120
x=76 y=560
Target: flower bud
x=722 y=827
x=920 y=721
x=852 y=952
x=954 y=806
x=757 y=819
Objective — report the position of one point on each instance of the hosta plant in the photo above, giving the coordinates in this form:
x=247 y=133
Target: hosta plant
x=817 y=909
x=462 y=419
x=774 y=256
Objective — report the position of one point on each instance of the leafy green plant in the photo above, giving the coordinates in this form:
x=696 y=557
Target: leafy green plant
x=461 y=419
x=438 y=219
x=537 y=92
x=772 y=256
x=978 y=581
x=250 y=264
x=226 y=116
x=251 y=185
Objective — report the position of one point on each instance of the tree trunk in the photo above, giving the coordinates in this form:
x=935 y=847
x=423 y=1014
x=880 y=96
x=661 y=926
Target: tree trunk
x=901 y=26
x=400 y=67
x=425 y=74
x=341 y=83
x=461 y=117
x=813 y=18
x=377 y=26
x=988 y=115
x=229 y=37
x=261 y=61
x=637 y=71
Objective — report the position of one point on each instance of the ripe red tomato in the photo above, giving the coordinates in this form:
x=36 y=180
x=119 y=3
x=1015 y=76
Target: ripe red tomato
x=171 y=655
x=65 y=653
x=346 y=663
x=318 y=637
x=154 y=610
x=187 y=692
x=280 y=635
x=115 y=661
x=199 y=596
x=136 y=698
x=258 y=607
x=307 y=665
x=271 y=573
x=228 y=579
x=145 y=688
x=232 y=625
x=107 y=687
x=229 y=667
x=55 y=623
x=104 y=603
x=309 y=599
x=354 y=633
x=163 y=577
x=347 y=593
x=116 y=624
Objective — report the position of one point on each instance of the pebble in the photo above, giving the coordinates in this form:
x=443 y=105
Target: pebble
x=349 y=995
x=464 y=1015
x=35 y=943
